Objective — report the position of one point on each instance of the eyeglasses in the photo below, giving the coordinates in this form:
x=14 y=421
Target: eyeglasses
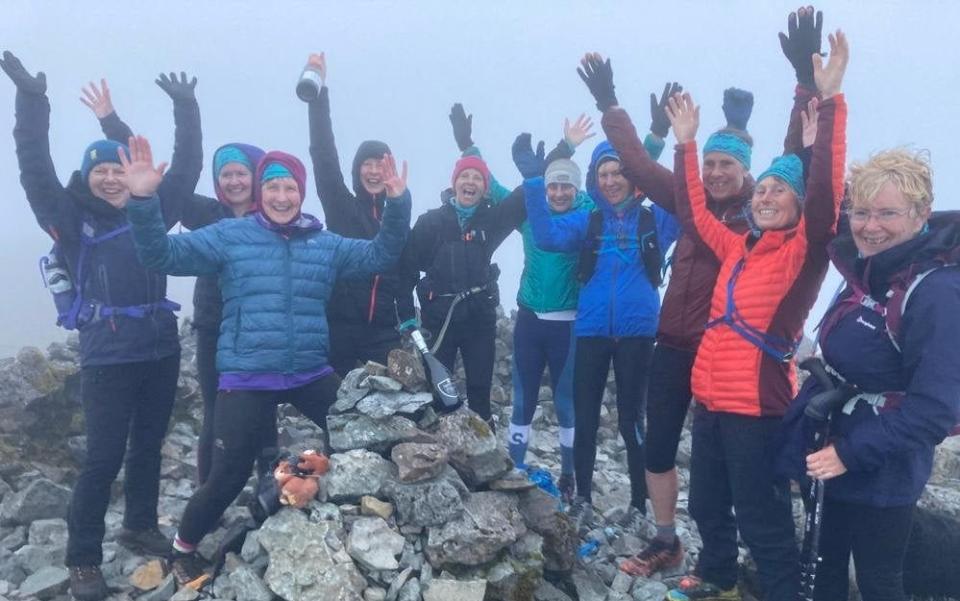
x=882 y=215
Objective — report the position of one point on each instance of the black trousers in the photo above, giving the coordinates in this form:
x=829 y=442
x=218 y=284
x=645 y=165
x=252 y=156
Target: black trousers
x=668 y=400
x=356 y=343
x=631 y=368
x=877 y=537
x=209 y=380
x=127 y=409
x=476 y=343
x=733 y=486
x=239 y=419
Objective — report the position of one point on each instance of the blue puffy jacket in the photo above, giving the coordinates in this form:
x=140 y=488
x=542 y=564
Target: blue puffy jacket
x=619 y=299
x=275 y=286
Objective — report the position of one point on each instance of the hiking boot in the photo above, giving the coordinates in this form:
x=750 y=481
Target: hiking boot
x=693 y=588
x=658 y=555
x=145 y=542
x=566 y=486
x=581 y=513
x=87 y=583
x=189 y=570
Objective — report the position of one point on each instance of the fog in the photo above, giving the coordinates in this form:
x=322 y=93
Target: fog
x=396 y=67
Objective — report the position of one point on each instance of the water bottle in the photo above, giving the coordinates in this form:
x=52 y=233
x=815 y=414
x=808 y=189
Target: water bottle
x=57 y=280
x=308 y=88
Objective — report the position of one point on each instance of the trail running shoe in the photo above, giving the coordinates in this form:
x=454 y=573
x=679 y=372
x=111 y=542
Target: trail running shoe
x=189 y=570
x=87 y=583
x=657 y=556
x=693 y=588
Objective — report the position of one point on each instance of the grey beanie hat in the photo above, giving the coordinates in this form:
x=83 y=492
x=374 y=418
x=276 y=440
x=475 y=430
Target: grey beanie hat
x=562 y=171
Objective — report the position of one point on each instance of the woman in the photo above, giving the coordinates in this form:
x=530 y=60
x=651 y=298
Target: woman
x=277 y=269
x=743 y=374
x=129 y=347
x=233 y=167
x=892 y=335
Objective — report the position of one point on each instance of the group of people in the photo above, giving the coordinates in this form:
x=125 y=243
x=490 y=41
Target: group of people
x=285 y=306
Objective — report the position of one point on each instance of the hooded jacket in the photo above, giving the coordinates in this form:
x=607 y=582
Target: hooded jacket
x=619 y=300
x=112 y=275
x=357 y=214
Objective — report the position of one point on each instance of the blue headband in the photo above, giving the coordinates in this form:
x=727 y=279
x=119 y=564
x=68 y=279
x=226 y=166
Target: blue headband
x=230 y=154
x=788 y=169
x=274 y=171
x=728 y=143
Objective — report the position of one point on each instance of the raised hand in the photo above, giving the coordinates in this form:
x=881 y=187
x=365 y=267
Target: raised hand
x=803 y=38
x=25 y=82
x=578 y=131
x=462 y=126
x=318 y=62
x=394 y=183
x=530 y=164
x=684 y=117
x=829 y=78
x=177 y=89
x=97 y=100
x=598 y=75
x=808 y=121
x=141 y=177
x=737 y=107
x=659 y=124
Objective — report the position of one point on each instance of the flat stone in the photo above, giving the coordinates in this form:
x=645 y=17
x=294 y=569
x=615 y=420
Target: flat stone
x=374 y=545
x=46 y=583
x=431 y=502
x=348 y=432
x=382 y=404
x=41 y=499
x=419 y=461
x=48 y=532
x=383 y=383
x=148 y=576
x=372 y=506
x=490 y=522
x=354 y=474
x=351 y=390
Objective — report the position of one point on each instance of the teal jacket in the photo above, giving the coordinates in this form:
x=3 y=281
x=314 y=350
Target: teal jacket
x=275 y=284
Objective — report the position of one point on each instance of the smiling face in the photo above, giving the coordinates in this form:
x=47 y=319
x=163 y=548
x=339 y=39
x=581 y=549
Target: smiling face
x=560 y=196
x=613 y=185
x=885 y=221
x=236 y=182
x=469 y=187
x=723 y=175
x=280 y=199
x=106 y=183
x=371 y=176
x=774 y=205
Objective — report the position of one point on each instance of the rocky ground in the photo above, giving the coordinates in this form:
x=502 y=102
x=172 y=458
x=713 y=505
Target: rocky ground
x=415 y=505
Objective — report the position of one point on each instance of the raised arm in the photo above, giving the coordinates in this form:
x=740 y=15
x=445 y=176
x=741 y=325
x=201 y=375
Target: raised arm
x=802 y=40
x=462 y=125
x=827 y=165
x=46 y=195
x=99 y=101
x=180 y=182
x=691 y=205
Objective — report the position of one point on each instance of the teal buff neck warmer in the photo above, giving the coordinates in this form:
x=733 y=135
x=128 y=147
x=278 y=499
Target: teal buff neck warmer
x=624 y=205
x=463 y=213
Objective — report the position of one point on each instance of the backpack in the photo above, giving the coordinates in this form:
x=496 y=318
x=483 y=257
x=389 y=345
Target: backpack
x=646 y=243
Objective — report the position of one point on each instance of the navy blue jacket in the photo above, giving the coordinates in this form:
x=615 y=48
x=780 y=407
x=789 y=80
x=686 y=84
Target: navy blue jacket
x=112 y=274
x=889 y=454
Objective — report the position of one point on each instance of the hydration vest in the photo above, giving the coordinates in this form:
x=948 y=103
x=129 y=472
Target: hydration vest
x=645 y=243
x=66 y=285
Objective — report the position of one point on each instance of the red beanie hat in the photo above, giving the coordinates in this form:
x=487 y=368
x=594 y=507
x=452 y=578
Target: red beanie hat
x=471 y=162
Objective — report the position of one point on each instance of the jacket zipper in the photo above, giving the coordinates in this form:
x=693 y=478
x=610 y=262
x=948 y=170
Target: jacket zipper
x=287 y=268
x=373 y=298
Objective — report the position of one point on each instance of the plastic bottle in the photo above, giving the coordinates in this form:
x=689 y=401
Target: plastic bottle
x=57 y=280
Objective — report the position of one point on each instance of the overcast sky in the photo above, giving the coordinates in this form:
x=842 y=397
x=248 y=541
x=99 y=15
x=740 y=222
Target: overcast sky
x=396 y=67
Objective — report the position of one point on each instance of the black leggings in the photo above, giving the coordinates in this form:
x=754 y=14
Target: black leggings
x=209 y=379
x=877 y=537
x=667 y=405
x=240 y=415
x=631 y=367
x=476 y=342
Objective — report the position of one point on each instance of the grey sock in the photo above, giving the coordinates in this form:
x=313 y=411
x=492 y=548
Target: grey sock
x=666 y=533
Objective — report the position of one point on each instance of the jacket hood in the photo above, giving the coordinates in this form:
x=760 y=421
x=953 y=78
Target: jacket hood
x=369 y=149
x=252 y=153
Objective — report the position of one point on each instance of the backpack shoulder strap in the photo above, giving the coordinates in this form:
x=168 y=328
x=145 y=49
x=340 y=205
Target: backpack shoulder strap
x=587 y=263
x=897 y=304
x=649 y=246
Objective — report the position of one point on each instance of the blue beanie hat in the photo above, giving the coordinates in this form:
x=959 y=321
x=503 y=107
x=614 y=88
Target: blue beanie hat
x=273 y=171
x=788 y=169
x=230 y=154
x=734 y=139
x=728 y=142
x=101 y=151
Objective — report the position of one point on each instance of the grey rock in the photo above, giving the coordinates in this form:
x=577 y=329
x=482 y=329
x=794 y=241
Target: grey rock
x=302 y=566
x=374 y=593
x=48 y=532
x=349 y=432
x=383 y=383
x=5 y=488
x=185 y=594
x=459 y=590
x=325 y=512
x=490 y=522
x=383 y=404
x=46 y=583
x=548 y=592
x=41 y=499
x=419 y=461
x=542 y=515
x=621 y=582
x=223 y=587
x=372 y=368
x=11 y=572
x=31 y=558
x=406 y=367
x=249 y=586
x=164 y=591
x=351 y=390
x=15 y=539
x=589 y=586
x=252 y=549
x=429 y=503
x=648 y=590
x=354 y=474
x=410 y=591
x=474 y=450
x=946 y=461
x=397 y=583
x=374 y=545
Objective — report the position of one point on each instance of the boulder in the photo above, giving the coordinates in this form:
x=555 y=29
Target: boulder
x=490 y=522
x=348 y=432
x=382 y=404
x=419 y=461
x=474 y=450
x=48 y=532
x=248 y=585
x=41 y=499
x=374 y=545
x=46 y=583
x=430 y=502
x=354 y=474
x=541 y=513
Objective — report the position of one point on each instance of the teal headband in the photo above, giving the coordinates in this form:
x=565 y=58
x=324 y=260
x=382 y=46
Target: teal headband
x=274 y=171
x=230 y=154
x=728 y=143
x=788 y=169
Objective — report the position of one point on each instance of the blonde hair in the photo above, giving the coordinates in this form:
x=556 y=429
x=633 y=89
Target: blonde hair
x=909 y=171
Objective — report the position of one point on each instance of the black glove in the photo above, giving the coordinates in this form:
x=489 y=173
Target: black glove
x=659 y=122
x=737 y=107
x=21 y=78
x=529 y=163
x=599 y=79
x=803 y=38
x=462 y=127
x=177 y=89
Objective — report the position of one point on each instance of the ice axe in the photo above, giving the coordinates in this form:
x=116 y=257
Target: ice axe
x=445 y=394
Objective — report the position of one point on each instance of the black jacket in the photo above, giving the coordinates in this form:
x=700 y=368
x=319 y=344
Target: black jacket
x=354 y=214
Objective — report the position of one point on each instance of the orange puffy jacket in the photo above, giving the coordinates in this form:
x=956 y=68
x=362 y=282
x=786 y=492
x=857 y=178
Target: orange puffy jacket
x=778 y=283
